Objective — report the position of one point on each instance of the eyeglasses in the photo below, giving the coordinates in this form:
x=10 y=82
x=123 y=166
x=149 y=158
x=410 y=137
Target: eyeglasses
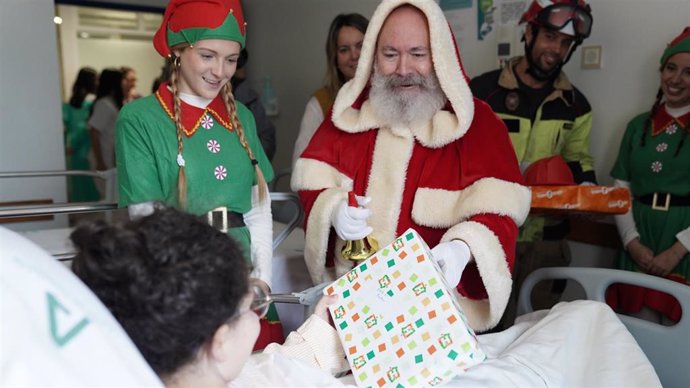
x=558 y=15
x=261 y=301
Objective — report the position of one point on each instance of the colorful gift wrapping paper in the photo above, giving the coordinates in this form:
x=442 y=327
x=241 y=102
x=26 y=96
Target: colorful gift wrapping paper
x=398 y=322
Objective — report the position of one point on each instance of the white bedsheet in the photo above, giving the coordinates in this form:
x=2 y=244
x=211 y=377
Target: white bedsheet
x=575 y=344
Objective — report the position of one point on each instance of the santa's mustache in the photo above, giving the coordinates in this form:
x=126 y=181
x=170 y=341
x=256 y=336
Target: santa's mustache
x=394 y=80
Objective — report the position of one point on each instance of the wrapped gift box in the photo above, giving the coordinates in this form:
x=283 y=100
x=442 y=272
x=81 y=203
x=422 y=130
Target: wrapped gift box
x=580 y=199
x=398 y=323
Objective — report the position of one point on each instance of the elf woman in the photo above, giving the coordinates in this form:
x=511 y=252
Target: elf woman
x=654 y=162
x=191 y=145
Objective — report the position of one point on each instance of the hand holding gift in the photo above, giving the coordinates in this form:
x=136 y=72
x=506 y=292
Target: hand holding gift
x=452 y=256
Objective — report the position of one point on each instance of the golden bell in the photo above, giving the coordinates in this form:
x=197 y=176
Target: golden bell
x=358 y=250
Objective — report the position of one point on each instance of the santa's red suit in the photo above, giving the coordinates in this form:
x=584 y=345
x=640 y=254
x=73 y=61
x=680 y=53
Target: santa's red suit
x=455 y=177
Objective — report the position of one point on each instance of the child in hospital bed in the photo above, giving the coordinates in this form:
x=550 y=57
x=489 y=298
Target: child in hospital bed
x=181 y=291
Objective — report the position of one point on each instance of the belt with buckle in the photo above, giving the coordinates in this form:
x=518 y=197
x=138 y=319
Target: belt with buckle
x=222 y=219
x=663 y=201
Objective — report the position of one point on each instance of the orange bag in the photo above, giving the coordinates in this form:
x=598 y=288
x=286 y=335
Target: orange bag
x=580 y=199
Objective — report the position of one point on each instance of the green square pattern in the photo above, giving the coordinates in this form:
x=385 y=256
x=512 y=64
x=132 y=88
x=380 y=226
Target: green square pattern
x=418 y=358
x=412 y=380
x=363 y=376
x=389 y=326
x=452 y=354
x=362 y=267
x=346 y=293
x=409 y=236
x=414 y=277
x=390 y=263
x=419 y=322
x=433 y=281
x=438 y=293
x=365 y=342
x=413 y=310
x=343 y=324
x=412 y=345
x=370 y=355
x=365 y=309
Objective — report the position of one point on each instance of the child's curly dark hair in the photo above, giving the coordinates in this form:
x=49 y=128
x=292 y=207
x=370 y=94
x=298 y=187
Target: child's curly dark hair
x=170 y=279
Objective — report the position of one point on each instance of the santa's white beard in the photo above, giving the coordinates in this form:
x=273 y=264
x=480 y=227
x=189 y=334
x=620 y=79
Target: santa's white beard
x=405 y=107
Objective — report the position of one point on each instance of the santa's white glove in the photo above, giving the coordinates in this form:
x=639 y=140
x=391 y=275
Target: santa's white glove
x=452 y=257
x=350 y=222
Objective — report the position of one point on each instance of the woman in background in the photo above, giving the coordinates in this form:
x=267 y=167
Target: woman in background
x=109 y=100
x=129 y=84
x=343 y=46
x=193 y=146
x=654 y=162
x=75 y=114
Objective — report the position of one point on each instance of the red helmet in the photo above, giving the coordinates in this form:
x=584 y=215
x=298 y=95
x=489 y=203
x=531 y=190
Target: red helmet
x=551 y=171
x=571 y=17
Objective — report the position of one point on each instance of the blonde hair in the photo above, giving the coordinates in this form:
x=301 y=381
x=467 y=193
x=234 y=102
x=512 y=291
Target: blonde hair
x=231 y=107
x=229 y=101
x=177 y=113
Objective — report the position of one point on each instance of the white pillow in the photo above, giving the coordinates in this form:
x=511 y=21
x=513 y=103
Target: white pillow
x=55 y=331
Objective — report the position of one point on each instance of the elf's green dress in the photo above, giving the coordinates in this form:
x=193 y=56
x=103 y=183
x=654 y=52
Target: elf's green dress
x=218 y=169
x=78 y=141
x=651 y=168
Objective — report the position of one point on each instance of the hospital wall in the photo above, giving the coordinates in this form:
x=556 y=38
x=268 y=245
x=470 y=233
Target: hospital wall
x=30 y=116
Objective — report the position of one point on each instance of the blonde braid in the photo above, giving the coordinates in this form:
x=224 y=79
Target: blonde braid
x=181 y=176
x=229 y=100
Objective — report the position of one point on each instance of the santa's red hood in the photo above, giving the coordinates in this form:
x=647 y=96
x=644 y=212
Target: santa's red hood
x=447 y=125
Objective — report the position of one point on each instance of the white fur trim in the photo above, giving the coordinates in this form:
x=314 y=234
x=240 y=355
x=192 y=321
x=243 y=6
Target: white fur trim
x=446 y=65
x=318 y=230
x=493 y=268
x=311 y=174
x=487 y=195
x=386 y=183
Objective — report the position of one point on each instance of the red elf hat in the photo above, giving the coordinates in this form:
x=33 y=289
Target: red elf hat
x=188 y=21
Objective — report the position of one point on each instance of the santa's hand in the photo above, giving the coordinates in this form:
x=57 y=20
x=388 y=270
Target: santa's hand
x=350 y=222
x=452 y=257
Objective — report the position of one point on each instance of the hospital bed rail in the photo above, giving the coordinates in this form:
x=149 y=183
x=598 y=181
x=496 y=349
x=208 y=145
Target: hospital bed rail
x=108 y=204
x=666 y=347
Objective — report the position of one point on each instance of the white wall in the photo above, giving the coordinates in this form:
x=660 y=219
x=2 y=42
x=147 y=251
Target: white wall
x=30 y=117
x=286 y=41
x=137 y=54
x=633 y=35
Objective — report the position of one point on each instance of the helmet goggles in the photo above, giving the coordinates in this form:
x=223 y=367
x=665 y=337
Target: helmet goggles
x=556 y=16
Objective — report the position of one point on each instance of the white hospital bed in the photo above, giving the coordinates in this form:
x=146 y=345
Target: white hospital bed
x=290 y=274
x=666 y=347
